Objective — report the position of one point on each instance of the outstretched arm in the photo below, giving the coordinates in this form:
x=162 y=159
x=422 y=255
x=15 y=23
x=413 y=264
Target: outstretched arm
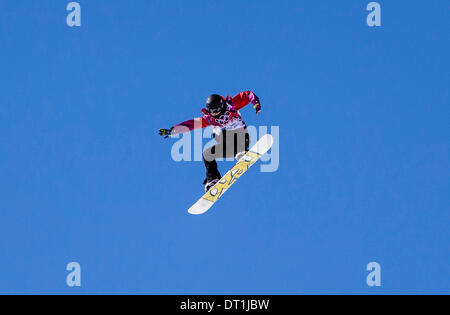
x=189 y=125
x=244 y=98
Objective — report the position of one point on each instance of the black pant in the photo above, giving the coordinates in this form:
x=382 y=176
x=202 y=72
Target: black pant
x=229 y=143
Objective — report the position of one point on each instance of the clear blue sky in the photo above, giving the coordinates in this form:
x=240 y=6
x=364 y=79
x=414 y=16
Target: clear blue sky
x=364 y=147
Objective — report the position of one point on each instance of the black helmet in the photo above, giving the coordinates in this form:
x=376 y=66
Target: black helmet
x=215 y=104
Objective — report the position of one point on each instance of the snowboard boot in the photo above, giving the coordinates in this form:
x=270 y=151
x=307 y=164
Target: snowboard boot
x=210 y=184
x=240 y=155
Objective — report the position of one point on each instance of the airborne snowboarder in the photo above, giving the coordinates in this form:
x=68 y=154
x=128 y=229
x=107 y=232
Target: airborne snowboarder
x=230 y=131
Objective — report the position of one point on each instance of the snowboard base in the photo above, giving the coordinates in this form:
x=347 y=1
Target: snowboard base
x=250 y=158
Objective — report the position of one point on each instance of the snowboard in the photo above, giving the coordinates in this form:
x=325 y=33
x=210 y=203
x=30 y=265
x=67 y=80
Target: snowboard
x=244 y=163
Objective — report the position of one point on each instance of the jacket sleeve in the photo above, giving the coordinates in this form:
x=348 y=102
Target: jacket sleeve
x=190 y=125
x=244 y=98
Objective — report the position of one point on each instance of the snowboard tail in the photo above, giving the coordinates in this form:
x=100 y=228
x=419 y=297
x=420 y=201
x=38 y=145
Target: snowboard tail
x=247 y=161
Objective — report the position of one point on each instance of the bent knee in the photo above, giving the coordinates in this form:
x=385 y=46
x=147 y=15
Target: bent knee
x=208 y=156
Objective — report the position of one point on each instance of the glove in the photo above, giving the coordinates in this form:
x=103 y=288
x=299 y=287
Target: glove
x=257 y=108
x=166 y=133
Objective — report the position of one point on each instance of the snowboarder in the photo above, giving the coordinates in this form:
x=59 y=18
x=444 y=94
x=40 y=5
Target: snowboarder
x=230 y=131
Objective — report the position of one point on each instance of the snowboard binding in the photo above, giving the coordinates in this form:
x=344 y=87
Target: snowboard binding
x=210 y=184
